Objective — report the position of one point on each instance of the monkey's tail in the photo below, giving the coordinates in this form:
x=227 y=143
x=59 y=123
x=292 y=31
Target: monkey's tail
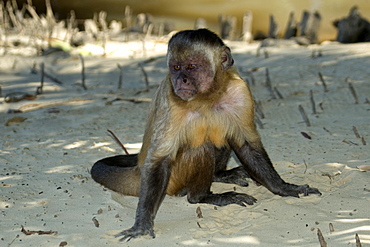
x=119 y=173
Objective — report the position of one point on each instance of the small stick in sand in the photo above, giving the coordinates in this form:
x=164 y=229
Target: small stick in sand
x=312 y=102
x=258 y=121
x=278 y=93
x=356 y=132
x=358 y=135
x=353 y=92
x=198 y=224
x=358 y=242
x=328 y=131
x=27 y=232
x=305 y=165
x=82 y=72
x=305 y=135
x=258 y=108
x=268 y=84
x=323 y=83
x=304 y=116
x=120 y=79
x=17 y=236
x=145 y=76
x=45 y=74
x=321 y=238
x=331 y=227
x=118 y=141
x=96 y=222
x=199 y=212
x=52 y=78
x=363 y=141
x=103 y=24
x=253 y=82
x=39 y=89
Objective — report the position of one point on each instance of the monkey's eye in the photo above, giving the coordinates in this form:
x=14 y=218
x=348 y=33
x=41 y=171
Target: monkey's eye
x=191 y=66
x=176 y=67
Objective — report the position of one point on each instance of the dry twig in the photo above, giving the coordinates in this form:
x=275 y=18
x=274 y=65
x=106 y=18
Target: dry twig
x=358 y=242
x=312 y=102
x=328 y=131
x=120 y=79
x=45 y=74
x=199 y=212
x=82 y=72
x=358 y=135
x=96 y=222
x=27 y=232
x=321 y=238
x=304 y=116
x=145 y=76
x=258 y=121
x=40 y=88
x=323 y=83
x=331 y=227
x=353 y=92
x=118 y=141
x=258 y=108
x=278 y=93
x=268 y=84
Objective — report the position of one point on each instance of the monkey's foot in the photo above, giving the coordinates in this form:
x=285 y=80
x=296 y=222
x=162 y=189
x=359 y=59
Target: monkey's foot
x=134 y=232
x=228 y=198
x=237 y=175
x=295 y=190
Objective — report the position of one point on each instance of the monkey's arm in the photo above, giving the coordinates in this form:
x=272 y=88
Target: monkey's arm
x=258 y=165
x=237 y=175
x=154 y=169
x=154 y=180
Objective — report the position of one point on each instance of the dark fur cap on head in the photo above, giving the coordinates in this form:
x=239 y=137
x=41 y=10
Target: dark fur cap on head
x=188 y=38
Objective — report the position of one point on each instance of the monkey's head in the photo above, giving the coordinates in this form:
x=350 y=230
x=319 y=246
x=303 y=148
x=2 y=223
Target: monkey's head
x=194 y=58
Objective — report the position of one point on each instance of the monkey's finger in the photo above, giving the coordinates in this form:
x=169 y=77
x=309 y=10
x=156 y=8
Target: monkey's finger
x=125 y=238
x=251 y=200
x=302 y=189
x=310 y=190
x=246 y=200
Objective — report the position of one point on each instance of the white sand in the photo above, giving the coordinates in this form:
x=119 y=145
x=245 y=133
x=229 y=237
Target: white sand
x=45 y=160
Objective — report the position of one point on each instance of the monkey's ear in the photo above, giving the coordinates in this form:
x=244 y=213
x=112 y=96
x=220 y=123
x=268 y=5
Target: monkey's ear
x=226 y=59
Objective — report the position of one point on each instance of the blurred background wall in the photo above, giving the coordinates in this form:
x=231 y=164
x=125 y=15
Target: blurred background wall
x=184 y=13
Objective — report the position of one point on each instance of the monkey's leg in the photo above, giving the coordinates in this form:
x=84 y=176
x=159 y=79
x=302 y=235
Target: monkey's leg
x=154 y=180
x=258 y=165
x=118 y=173
x=237 y=175
x=199 y=186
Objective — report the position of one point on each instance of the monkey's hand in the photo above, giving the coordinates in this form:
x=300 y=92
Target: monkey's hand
x=136 y=231
x=237 y=175
x=228 y=198
x=294 y=190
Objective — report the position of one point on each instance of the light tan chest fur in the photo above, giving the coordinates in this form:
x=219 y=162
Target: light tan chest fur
x=232 y=116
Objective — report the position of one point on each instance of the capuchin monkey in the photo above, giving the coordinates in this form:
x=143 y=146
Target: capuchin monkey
x=202 y=111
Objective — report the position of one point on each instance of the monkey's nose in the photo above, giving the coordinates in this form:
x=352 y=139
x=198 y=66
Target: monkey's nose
x=184 y=80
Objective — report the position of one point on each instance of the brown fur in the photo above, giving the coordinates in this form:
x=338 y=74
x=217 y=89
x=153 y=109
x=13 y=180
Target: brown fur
x=202 y=111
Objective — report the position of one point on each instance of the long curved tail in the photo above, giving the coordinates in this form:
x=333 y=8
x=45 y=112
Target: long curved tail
x=118 y=173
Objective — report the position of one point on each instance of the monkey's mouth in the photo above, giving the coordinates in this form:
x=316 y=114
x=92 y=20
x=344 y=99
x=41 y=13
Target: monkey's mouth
x=186 y=94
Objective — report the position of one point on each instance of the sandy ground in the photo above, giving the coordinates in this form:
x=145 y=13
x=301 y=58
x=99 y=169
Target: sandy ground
x=46 y=151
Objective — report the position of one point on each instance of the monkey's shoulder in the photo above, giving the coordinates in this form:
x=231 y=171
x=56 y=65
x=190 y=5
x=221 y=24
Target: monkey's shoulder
x=237 y=96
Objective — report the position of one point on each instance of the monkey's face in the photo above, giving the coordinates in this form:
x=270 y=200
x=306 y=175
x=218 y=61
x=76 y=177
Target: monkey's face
x=191 y=75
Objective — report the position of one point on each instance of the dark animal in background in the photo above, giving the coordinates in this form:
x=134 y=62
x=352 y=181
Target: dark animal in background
x=202 y=112
x=353 y=28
